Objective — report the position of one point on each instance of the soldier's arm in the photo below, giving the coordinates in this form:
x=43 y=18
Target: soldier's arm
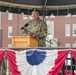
x=43 y=31
x=25 y=31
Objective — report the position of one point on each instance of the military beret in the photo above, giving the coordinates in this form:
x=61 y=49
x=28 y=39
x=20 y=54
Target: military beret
x=35 y=9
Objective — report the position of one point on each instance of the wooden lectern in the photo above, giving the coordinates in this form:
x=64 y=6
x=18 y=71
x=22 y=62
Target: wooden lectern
x=24 y=41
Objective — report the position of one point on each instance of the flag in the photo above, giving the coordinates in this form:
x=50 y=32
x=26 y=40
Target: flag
x=36 y=62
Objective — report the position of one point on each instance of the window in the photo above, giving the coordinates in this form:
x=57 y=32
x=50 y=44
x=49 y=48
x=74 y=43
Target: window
x=68 y=15
x=74 y=29
x=9 y=45
x=25 y=16
x=30 y=17
x=68 y=60
x=9 y=31
x=67 y=45
x=52 y=16
x=50 y=27
x=74 y=45
x=67 y=30
x=10 y=16
x=73 y=15
x=46 y=16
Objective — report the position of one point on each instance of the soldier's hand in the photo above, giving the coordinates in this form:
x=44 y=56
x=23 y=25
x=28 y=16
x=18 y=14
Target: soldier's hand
x=30 y=33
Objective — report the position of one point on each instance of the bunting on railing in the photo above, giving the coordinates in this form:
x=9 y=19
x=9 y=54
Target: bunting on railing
x=36 y=62
x=62 y=55
x=31 y=62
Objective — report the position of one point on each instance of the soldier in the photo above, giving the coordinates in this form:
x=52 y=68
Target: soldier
x=36 y=28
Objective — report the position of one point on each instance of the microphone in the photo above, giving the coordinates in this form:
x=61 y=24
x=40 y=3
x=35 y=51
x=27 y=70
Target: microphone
x=26 y=25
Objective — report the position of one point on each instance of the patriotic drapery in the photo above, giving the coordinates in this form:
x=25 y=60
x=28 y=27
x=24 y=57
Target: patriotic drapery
x=2 y=53
x=59 y=62
x=31 y=62
x=36 y=62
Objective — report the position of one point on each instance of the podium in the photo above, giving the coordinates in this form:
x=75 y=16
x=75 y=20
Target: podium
x=24 y=42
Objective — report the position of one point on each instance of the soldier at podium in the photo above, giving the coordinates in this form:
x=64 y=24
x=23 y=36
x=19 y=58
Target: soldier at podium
x=36 y=28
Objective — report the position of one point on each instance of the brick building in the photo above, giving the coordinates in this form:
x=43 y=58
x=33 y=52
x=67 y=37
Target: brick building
x=62 y=28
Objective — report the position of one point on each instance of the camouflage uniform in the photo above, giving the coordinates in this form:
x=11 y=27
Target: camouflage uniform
x=38 y=29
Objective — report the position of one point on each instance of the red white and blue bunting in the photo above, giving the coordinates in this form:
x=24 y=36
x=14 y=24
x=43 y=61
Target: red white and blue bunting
x=35 y=61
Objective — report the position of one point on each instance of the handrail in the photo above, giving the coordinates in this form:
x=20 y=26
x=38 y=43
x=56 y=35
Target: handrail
x=44 y=48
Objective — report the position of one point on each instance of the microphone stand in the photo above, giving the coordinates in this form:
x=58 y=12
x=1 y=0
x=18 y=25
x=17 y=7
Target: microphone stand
x=38 y=37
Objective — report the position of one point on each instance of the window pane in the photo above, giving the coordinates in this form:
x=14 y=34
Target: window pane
x=9 y=31
x=74 y=45
x=74 y=29
x=50 y=27
x=30 y=17
x=67 y=45
x=9 y=45
x=67 y=62
x=67 y=30
x=25 y=16
x=10 y=16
